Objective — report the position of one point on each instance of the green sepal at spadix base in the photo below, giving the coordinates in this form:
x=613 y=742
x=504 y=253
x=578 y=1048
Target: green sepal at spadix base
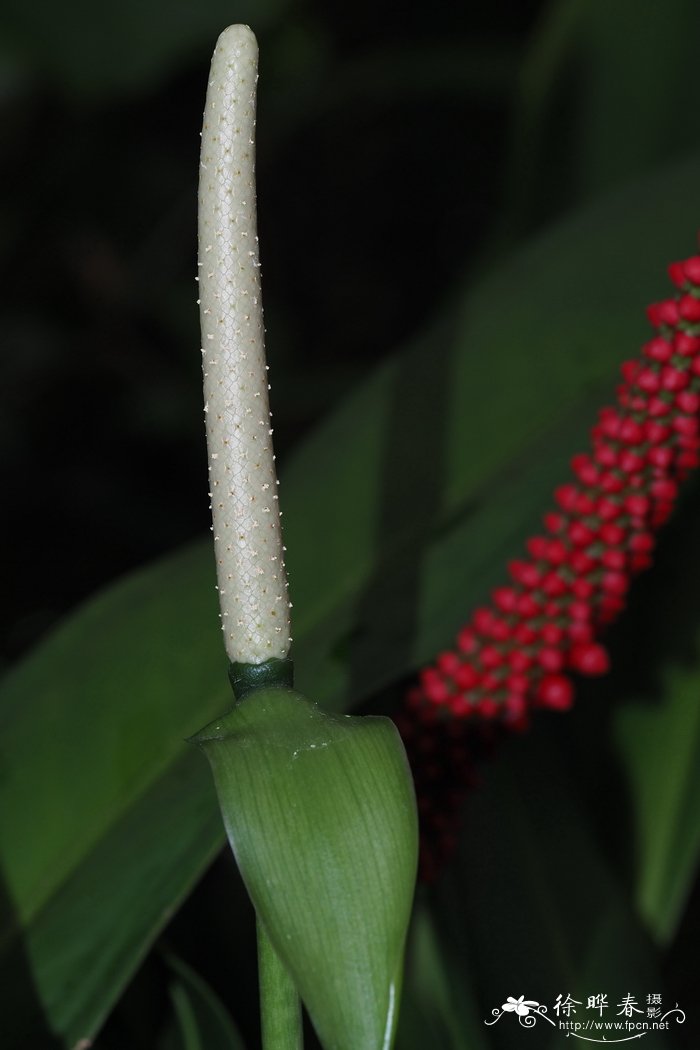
x=321 y=816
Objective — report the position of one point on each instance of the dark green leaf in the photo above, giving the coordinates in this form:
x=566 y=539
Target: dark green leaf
x=659 y=747
x=589 y=114
x=530 y=907
x=438 y=1007
x=106 y=820
x=642 y=725
x=200 y=1020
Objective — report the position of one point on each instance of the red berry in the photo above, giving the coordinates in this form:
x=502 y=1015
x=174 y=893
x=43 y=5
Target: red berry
x=640 y=562
x=664 y=490
x=527 y=607
x=689 y=308
x=557 y=552
x=581 y=563
x=550 y=660
x=608 y=510
x=434 y=686
x=506 y=598
x=525 y=573
x=630 y=370
x=692 y=269
x=661 y=457
x=483 y=620
x=491 y=657
x=551 y=634
x=466 y=640
x=610 y=607
x=566 y=496
x=676 y=271
x=615 y=583
x=611 y=534
x=688 y=461
x=553 y=585
x=448 y=663
x=662 y=512
x=466 y=677
x=580 y=632
x=672 y=379
x=519 y=660
x=524 y=634
x=642 y=541
x=658 y=349
x=585 y=470
x=556 y=692
x=688 y=401
x=649 y=381
x=580 y=535
x=501 y=630
x=554 y=522
x=611 y=483
x=537 y=547
x=631 y=432
x=614 y=559
x=657 y=408
x=655 y=432
x=610 y=424
x=606 y=455
x=630 y=462
x=668 y=312
x=662 y=313
x=637 y=505
x=590 y=659
x=582 y=588
x=585 y=505
x=518 y=683
x=515 y=713
x=685 y=344
x=686 y=425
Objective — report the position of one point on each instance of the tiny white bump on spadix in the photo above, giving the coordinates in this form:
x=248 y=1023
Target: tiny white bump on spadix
x=247 y=533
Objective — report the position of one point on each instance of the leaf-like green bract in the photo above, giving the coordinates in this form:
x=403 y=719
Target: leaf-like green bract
x=320 y=813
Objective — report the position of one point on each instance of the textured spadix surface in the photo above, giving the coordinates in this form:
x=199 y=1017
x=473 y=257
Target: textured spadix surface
x=320 y=813
x=248 y=543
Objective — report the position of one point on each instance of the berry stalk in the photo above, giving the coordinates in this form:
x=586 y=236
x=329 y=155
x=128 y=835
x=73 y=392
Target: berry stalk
x=547 y=622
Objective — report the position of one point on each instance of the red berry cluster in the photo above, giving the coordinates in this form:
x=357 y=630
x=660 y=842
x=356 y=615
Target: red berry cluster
x=516 y=653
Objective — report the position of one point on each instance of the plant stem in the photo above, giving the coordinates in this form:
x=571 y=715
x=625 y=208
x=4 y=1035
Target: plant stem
x=280 y=1008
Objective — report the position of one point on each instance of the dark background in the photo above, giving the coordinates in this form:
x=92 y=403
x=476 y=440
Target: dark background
x=384 y=146
x=397 y=149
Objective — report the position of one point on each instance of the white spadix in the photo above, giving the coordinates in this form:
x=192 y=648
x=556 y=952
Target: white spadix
x=247 y=535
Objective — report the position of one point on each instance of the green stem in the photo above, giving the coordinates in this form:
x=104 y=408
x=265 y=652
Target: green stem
x=246 y=678
x=280 y=1008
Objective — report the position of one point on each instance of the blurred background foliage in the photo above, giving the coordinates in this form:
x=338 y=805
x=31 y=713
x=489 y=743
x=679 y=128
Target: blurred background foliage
x=410 y=174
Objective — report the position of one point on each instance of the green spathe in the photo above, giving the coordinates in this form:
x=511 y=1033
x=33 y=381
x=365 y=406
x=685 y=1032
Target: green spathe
x=320 y=813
